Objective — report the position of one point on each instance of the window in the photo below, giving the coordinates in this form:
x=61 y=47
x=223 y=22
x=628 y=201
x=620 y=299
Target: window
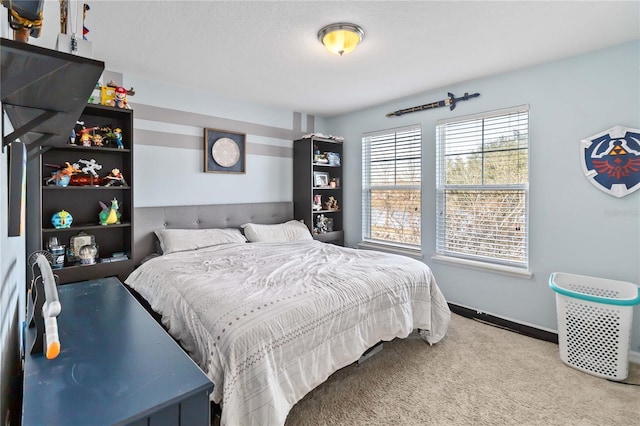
x=482 y=187
x=391 y=176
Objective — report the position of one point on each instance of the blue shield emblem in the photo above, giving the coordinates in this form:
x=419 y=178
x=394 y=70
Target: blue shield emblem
x=611 y=160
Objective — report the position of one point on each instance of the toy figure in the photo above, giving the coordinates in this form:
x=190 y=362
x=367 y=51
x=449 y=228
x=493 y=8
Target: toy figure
x=85 y=138
x=115 y=178
x=74 y=134
x=331 y=204
x=90 y=167
x=63 y=176
x=117 y=134
x=97 y=139
x=62 y=219
x=71 y=169
x=109 y=215
x=321 y=224
x=120 y=99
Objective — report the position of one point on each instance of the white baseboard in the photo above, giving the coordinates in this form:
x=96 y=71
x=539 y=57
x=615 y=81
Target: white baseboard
x=634 y=357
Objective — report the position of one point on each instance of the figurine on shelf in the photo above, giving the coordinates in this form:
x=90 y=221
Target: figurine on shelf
x=85 y=139
x=97 y=139
x=108 y=136
x=115 y=178
x=63 y=176
x=317 y=202
x=58 y=179
x=62 y=219
x=86 y=135
x=109 y=215
x=117 y=136
x=331 y=204
x=120 y=97
x=90 y=167
x=71 y=169
x=321 y=224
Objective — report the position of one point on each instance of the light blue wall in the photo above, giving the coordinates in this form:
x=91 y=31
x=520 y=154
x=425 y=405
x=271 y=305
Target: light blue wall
x=169 y=146
x=574 y=227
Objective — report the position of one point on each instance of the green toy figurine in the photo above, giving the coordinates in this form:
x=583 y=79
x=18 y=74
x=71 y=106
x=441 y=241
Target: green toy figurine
x=109 y=215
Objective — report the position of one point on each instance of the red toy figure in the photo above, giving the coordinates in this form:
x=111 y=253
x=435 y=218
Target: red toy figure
x=85 y=135
x=120 y=99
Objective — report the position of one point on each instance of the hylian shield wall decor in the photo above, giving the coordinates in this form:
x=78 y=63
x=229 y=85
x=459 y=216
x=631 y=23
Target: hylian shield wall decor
x=611 y=160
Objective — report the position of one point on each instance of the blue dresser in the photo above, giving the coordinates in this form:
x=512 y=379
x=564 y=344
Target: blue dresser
x=116 y=366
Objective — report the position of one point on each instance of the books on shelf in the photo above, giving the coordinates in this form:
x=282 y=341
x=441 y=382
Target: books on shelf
x=115 y=257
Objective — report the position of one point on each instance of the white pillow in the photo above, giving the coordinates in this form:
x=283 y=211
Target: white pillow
x=174 y=240
x=281 y=232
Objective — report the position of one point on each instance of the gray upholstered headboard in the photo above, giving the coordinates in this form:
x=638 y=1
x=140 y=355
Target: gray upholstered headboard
x=149 y=219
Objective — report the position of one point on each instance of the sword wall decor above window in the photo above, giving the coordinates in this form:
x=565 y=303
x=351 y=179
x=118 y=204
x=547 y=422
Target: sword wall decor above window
x=450 y=102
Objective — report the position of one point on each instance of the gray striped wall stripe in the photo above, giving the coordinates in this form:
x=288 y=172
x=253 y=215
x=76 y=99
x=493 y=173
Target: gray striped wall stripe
x=166 y=115
x=173 y=140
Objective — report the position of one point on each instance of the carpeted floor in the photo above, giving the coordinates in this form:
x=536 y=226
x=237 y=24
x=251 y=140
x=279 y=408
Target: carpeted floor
x=477 y=375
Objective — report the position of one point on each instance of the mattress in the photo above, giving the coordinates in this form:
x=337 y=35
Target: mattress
x=268 y=322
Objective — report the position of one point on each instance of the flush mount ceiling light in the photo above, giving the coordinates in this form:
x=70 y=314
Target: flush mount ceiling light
x=341 y=38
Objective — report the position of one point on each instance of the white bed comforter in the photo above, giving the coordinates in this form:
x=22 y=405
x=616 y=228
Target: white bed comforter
x=268 y=322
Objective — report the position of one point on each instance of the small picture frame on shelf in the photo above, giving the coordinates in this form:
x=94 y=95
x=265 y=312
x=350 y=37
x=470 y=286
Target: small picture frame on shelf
x=320 y=179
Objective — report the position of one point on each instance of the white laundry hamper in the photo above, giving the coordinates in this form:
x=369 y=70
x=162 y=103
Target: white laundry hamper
x=594 y=323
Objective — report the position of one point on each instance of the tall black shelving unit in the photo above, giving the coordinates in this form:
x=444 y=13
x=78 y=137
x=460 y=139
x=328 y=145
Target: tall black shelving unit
x=305 y=187
x=83 y=202
x=44 y=93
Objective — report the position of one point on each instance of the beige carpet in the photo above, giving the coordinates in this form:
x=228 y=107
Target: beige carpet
x=478 y=375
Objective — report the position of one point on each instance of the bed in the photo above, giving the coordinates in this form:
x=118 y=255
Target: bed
x=270 y=319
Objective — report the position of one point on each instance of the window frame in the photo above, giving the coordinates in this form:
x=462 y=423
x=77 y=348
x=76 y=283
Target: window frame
x=388 y=245
x=477 y=260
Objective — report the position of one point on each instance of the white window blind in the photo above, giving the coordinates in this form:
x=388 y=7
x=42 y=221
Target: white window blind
x=391 y=178
x=482 y=187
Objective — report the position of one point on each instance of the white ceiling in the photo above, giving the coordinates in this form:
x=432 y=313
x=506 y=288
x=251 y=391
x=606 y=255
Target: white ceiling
x=267 y=52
